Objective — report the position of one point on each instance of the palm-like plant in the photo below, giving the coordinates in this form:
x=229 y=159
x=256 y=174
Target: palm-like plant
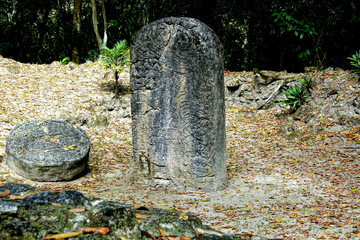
x=295 y=97
x=116 y=58
x=355 y=61
x=307 y=82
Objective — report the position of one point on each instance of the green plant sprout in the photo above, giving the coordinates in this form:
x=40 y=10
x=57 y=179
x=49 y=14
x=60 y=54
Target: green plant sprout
x=355 y=61
x=116 y=58
x=295 y=97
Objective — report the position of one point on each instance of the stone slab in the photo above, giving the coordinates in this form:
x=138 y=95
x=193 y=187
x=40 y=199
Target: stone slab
x=178 y=105
x=47 y=150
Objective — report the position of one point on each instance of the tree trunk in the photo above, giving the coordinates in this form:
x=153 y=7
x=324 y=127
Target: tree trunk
x=95 y=24
x=105 y=23
x=116 y=82
x=75 y=56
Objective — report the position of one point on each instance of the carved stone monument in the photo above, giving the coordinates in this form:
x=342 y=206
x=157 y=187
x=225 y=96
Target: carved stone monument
x=178 y=105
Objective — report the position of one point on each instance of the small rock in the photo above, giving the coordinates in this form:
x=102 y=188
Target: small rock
x=13 y=69
x=6 y=127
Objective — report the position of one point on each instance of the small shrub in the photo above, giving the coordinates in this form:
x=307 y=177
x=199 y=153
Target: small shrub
x=295 y=97
x=307 y=82
x=116 y=58
x=355 y=61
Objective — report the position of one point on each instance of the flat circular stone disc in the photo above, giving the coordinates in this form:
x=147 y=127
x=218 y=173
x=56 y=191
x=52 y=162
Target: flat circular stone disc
x=47 y=150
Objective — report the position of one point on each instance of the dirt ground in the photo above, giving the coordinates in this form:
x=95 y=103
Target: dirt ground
x=278 y=187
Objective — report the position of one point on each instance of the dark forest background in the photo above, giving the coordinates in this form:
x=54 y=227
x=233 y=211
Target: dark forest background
x=272 y=35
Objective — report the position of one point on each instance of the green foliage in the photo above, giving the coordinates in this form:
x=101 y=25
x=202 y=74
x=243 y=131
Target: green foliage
x=116 y=58
x=126 y=18
x=308 y=23
x=289 y=20
x=65 y=61
x=295 y=97
x=355 y=61
x=307 y=82
x=277 y=35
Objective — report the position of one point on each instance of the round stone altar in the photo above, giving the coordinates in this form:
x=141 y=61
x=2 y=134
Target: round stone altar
x=47 y=150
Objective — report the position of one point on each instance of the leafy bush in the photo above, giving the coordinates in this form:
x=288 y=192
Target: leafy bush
x=307 y=82
x=295 y=97
x=116 y=58
x=65 y=61
x=355 y=61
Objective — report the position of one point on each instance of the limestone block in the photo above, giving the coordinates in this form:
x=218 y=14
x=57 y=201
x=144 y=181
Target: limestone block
x=47 y=150
x=178 y=106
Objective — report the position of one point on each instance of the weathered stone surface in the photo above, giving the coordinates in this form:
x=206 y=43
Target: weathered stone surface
x=47 y=150
x=178 y=105
x=46 y=213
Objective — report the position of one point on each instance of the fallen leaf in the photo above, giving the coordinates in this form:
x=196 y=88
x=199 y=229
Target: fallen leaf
x=141 y=216
x=100 y=230
x=64 y=235
x=5 y=193
x=228 y=226
x=161 y=231
x=14 y=197
x=185 y=238
x=198 y=232
x=137 y=206
x=124 y=238
x=184 y=216
x=55 y=204
x=77 y=210
x=70 y=147
x=143 y=233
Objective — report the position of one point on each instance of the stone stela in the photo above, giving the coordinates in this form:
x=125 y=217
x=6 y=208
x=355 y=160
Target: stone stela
x=178 y=106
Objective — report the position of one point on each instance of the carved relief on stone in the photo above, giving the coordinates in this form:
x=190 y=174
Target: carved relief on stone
x=178 y=105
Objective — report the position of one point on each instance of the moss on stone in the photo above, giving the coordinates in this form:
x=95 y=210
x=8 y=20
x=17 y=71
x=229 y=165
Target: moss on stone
x=295 y=135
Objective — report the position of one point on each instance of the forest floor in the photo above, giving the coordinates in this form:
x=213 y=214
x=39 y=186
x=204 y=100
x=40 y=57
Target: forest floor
x=278 y=187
